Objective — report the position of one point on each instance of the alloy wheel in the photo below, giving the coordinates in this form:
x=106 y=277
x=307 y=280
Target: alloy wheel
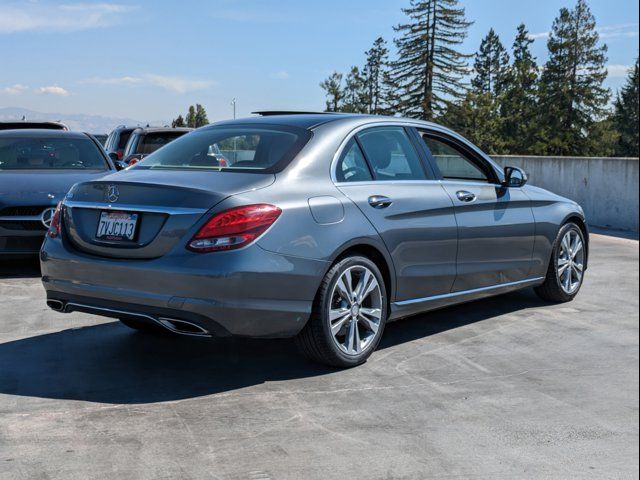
x=355 y=310
x=571 y=262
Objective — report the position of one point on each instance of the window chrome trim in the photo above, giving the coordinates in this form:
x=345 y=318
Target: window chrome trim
x=135 y=208
x=467 y=292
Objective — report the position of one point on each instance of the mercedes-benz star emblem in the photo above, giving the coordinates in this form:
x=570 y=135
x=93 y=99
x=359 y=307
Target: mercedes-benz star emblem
x=112 y=194
x=47 y=216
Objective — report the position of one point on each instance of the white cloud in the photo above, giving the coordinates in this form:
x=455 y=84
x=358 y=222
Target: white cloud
x=172 y=83
x=282 y=75
x=536 y=36
x=16 y=89
x=618 y=71
x=53 y=90
x=43 y=17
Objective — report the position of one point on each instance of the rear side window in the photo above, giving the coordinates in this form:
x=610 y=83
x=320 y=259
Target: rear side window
x=50 y=154
x=352 y=166
x=391 y=154
x=124 y=138
x=237 y=148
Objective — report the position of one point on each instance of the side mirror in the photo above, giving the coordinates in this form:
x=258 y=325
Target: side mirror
x=515 y=177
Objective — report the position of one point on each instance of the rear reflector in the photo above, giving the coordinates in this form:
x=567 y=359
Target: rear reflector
x=234 y=228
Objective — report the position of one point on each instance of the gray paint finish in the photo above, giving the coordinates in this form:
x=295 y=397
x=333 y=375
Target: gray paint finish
x=430 y=244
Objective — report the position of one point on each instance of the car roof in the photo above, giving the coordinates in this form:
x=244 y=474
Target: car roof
x=310 y=121
x=41 y=133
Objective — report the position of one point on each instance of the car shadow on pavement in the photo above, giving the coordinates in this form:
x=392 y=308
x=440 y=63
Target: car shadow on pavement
x=27 y=267
x=108 y=363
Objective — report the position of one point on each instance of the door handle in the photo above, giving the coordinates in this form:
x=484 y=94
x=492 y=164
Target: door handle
x=380 y=201
x=465 y=196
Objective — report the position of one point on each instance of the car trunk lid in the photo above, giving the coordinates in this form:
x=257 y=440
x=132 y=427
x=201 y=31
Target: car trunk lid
x=162 y=206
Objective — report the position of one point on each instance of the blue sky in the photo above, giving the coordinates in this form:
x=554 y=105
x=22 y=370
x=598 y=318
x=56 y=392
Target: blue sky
x=149 y=60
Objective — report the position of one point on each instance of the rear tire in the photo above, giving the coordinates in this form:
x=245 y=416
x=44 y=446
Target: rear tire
x=141 y=326
x=348 y=316
x=565 y=274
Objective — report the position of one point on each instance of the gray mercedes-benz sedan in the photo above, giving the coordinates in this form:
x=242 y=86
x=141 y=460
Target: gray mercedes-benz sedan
x=322 y=227
x=37 y=168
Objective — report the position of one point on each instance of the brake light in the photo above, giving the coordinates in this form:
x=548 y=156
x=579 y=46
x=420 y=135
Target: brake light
x=120 y=153
x=54 y=228
x=133 y=161
x=234 y=228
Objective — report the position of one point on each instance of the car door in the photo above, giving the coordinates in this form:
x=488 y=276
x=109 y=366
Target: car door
x=383 y=172
x=496 y=226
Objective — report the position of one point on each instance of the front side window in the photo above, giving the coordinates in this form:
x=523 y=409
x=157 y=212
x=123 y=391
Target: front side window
x=391 y=154
x=352 y=166
x=452 y=163
x=50 y=154
x=237 y=148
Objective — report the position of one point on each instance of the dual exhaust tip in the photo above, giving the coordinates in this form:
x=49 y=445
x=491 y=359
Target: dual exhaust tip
x=181 y=327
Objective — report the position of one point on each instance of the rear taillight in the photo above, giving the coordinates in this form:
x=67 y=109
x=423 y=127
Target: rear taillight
x=54 y=228
x=120 y=153
x=133 y=161
x=234 y=228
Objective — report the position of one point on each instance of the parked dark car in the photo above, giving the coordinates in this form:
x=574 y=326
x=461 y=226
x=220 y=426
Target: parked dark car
x=24 y=125
x=145 y=141
x=325 y=228
x=117 y=140
x=37 y=168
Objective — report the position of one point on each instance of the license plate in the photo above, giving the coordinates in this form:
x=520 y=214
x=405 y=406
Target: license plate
x=117 y=226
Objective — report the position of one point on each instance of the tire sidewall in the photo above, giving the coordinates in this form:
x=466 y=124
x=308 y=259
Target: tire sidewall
x=323 y=309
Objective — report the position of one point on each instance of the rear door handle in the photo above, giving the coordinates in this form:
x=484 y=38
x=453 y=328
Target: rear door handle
x=380 y=201
x=465 y=196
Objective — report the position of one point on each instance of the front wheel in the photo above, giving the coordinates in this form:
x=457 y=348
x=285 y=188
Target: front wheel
x=566 y=267
x=349 y=314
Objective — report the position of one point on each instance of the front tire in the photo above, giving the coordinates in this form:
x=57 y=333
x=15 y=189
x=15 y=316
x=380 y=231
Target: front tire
x=566 y=267
x=349 y=315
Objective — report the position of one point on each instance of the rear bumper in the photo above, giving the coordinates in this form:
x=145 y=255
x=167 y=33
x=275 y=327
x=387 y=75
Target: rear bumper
x=250 y=292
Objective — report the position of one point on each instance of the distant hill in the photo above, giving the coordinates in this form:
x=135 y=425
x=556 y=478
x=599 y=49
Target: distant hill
x=76 y=121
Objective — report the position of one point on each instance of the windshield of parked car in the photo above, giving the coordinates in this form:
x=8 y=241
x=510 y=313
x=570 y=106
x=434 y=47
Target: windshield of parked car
x=237 y=148
x=20 y=153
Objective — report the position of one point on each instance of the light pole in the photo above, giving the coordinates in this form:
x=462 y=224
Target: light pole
x=235 y=139
x=233 y=102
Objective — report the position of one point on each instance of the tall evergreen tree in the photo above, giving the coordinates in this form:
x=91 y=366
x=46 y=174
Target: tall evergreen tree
x=201 y=118
x=191 y=117
x=332 y=86
x=626 y=117
x=573 y=98
x=355 y=96
x=491 y=65
x=430 y=70
x=519 y=107
x=374 y=76
x=178 y=122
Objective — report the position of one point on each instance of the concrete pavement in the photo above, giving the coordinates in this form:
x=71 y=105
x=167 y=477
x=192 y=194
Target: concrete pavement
x=508 y=387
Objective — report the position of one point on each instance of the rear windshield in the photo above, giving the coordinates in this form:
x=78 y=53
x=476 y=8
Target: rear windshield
x=246 y=149
x=50 y=154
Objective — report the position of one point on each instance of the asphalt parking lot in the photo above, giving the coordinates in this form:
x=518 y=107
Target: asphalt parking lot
x=509 y=387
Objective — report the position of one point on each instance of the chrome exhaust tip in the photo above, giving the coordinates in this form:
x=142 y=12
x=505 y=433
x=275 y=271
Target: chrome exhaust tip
x=183 y=327
x=57 y=305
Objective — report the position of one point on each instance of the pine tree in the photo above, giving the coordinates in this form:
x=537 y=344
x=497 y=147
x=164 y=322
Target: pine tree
x=201 y=118
x=178 y=122
x=332 y=86
x=430 y=70
x=191 y=117
x=374 y=76
x=355 y=98
x=491 y=65
x=519 y=108
x=573 y=98
x=626 y=118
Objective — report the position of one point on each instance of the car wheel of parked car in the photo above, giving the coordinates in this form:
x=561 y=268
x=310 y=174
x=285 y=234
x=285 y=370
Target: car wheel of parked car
x=349 y=314
x=142 y=326
x=566 y=268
